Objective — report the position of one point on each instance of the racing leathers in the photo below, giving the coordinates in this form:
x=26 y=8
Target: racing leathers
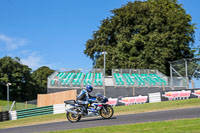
x=82 y=98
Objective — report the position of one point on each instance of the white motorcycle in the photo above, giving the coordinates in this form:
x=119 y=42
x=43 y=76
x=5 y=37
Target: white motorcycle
x=97 y=106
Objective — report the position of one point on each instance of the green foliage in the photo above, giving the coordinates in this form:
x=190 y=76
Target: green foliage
x=197 y=51
x=12 y=71
x=143 y=35
x=25 y=84
x=40 y=78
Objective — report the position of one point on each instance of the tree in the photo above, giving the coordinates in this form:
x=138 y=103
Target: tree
x=40 y=79
x=196 y=50
x=12 y=71
x=143 y=34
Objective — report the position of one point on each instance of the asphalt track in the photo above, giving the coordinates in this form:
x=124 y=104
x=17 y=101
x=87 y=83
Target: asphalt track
x=116 y=120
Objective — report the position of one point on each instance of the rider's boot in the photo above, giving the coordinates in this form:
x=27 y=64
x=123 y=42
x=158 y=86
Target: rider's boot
x=85 y=112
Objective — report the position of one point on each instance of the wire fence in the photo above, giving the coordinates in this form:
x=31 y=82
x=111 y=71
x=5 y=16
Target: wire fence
x=17 y=105
x=186 y=69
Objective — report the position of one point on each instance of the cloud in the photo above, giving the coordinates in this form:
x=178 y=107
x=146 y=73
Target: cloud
x=33 y=60
x=9 y=43
x=14 y=47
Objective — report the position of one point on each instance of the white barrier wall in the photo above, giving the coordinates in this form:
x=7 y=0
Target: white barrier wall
x=154 y=97
x=13 y=115
x=59 y=108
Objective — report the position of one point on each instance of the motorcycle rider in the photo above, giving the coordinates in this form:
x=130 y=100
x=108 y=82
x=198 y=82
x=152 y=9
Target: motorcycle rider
x=83 y=97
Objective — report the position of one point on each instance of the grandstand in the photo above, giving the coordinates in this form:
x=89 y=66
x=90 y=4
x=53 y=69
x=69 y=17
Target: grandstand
x=139 y=77
x=76 y=79
x=126 y=82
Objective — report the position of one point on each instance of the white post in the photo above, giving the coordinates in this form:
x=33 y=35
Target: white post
x=171 y=76
x=8 y=93
x=186 y=72
x=104 y=52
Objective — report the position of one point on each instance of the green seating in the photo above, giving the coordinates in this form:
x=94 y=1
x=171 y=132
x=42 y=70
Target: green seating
x=148 y=79
x=128 y=79
x=138 y=79
x=157 y=78
x=67 y=79
x=61 y=75
x=118 y=79
x=78 y=79
x=98 y=80
x=53 y=82
x=88 y=79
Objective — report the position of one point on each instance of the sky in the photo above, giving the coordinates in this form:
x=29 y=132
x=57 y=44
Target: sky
x=53 y=33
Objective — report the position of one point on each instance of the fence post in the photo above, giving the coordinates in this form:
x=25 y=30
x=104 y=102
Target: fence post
x=12 y=106
x=186 y=72
x=15 y=105
x=171 y=77
x=163 y=87
x=25 y=104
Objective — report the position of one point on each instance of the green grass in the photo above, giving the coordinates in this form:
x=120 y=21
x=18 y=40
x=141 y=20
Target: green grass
x=175 y=126
x=120 y=110
x=33 y=120
x=3 y=102
x=167 y=105
x=17 y=106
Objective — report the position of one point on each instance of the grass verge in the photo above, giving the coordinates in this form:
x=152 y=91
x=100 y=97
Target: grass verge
x=120 y=110
x=149 y=107
x=175 y=126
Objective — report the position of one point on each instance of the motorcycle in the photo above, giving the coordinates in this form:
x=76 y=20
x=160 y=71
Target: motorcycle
x=97 y=106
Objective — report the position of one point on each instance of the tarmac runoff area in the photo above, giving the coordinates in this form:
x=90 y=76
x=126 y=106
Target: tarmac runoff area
x=115 y=120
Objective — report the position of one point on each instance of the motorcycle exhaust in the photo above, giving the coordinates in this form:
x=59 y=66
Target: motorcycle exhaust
x=73 y=112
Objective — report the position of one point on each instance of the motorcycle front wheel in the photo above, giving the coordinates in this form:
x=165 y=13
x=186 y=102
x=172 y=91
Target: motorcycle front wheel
x=107 y=112
x=73 y=117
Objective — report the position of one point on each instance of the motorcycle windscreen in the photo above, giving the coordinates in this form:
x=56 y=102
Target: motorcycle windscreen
x=91 y=99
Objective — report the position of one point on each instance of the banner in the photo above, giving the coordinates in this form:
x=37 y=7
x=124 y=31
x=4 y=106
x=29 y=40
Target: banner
x=169 y=95
x=127 y=100
x=196 y=93
x=134 y=100
x=176 y=95
x=112 y=101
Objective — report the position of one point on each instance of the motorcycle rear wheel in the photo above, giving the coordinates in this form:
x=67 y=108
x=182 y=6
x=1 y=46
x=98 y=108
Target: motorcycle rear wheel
x=108 y=113
x=73 y=117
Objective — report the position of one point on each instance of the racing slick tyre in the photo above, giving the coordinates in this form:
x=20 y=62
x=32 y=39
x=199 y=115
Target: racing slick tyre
x=107 y=112
x=73 y=117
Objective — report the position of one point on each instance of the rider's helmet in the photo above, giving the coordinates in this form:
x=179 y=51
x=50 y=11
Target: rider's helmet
x=89 y=88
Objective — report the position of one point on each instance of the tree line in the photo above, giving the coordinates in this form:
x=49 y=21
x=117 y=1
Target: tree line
x=25 y=83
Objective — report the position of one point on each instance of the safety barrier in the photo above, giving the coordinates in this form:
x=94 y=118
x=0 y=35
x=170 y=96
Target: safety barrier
x=53 y=109
x=13 y=115
x=4 y=116
x=59 y=108
x=34 y=112
x=152 y=97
